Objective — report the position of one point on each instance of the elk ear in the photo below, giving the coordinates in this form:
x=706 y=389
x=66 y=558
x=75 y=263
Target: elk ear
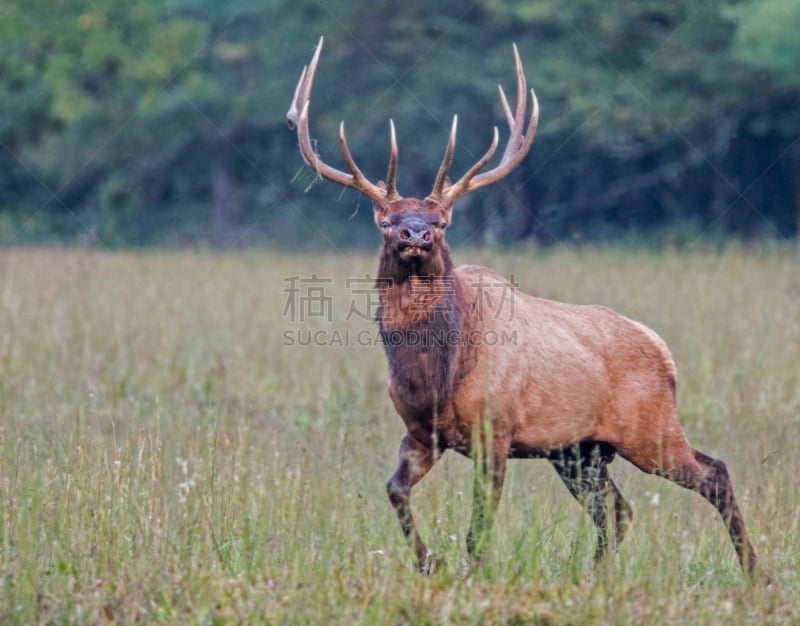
x=447 y=212
x=378 y=206
x=448 y=209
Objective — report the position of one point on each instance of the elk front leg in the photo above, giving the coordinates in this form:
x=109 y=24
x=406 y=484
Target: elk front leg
x=487 y=489
x=415 y=461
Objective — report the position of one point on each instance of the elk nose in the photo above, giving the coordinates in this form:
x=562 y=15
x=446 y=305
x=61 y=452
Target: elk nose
x=414 y=232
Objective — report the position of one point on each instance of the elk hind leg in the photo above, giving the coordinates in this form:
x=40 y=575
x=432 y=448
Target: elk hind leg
x=714 y=484
x=676 y=460
x=583 y=469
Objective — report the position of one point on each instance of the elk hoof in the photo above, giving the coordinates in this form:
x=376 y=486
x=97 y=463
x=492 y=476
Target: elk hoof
x=760 y=578
x=429 y=563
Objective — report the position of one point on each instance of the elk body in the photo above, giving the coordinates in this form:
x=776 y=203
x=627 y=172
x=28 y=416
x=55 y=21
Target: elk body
x=575 y=385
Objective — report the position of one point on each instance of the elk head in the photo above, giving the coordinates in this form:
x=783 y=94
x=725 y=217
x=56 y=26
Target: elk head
x=413 y=229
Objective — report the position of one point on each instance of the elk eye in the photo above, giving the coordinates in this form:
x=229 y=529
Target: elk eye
x=442 y=225
x=385 y=224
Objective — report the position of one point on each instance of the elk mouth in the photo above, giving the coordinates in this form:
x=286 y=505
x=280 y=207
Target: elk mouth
x=410 y=252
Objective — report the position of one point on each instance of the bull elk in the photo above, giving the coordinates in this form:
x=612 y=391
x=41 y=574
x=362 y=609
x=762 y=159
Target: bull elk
x=579 y=385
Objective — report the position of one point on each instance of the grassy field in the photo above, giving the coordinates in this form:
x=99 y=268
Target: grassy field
x=170 y=452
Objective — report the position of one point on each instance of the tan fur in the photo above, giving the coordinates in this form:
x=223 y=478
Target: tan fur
x=548 y=375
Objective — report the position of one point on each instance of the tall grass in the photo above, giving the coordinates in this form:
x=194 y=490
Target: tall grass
x=167 y=457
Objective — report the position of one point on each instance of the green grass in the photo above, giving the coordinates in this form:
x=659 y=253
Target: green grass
x=166 y=458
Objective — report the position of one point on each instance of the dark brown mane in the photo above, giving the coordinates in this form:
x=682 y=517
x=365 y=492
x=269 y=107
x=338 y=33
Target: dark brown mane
x=421 y=318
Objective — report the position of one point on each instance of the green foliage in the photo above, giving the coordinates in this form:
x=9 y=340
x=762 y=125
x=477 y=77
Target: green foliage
x=767 y=35
x=648 y=115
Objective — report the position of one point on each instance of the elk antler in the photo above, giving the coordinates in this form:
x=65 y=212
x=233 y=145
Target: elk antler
x=297 y=116
x=516 y=149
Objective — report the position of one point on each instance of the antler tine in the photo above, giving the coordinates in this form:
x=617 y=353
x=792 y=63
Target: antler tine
x=506 y=108
x=391 y=176
x=297 y=116
x=303 y=90
x=518 y=146
x=441 y=176
x=522 y=104
x=515 y=121
x=511 y=158
x=360 y=181
x=465 y=180
x=293 y=114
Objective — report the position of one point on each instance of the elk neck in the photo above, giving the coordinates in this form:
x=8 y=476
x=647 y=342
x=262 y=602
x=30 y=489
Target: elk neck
x=421 y=318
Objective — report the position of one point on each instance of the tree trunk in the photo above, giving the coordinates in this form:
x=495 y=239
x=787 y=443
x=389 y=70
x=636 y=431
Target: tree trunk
x=797 y=213
x=226 y=210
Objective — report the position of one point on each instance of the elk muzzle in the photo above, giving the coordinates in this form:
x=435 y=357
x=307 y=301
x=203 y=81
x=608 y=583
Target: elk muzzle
x=413 y=238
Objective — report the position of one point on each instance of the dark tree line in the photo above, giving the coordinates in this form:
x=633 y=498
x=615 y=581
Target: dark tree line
x=152 y=122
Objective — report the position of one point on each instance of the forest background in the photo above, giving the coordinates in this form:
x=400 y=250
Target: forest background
x=163 y=123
